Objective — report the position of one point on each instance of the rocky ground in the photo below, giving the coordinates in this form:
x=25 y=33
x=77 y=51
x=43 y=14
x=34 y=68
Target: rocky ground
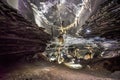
x=42 y=70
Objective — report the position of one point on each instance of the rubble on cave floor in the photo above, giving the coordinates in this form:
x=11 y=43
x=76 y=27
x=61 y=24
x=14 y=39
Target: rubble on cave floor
x=77 y=53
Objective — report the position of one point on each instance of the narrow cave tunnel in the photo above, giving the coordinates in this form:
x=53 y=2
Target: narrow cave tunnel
x=59 y=39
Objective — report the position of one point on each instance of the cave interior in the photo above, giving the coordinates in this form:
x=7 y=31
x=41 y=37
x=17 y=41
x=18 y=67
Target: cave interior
x=59 y=39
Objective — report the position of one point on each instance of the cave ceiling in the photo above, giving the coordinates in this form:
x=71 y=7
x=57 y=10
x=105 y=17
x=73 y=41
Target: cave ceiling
x=87 y=18
x=54 y=13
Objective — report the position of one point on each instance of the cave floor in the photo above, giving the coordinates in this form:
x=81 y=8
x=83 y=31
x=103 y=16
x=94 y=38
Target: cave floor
x=43 y=70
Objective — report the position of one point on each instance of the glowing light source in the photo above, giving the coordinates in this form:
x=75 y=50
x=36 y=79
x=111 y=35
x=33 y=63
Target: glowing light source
x=88 y=31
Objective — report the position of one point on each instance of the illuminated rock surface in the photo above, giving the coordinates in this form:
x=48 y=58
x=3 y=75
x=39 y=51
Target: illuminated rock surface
x=18 y=36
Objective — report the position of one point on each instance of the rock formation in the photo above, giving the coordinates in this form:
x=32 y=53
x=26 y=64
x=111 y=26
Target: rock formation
x=105 y=22
x=18 y=36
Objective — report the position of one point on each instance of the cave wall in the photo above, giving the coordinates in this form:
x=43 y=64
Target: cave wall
x=13 y=3
x=19 y=36
x=105 y=22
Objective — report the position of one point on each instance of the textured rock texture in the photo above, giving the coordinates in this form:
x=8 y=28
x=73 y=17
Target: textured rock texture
x=19 y=36
x=105 y=23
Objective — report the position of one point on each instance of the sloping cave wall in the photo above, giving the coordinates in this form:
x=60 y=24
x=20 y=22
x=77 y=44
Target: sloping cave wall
x=105 y=23
x=13 y=3
x=19 y=36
